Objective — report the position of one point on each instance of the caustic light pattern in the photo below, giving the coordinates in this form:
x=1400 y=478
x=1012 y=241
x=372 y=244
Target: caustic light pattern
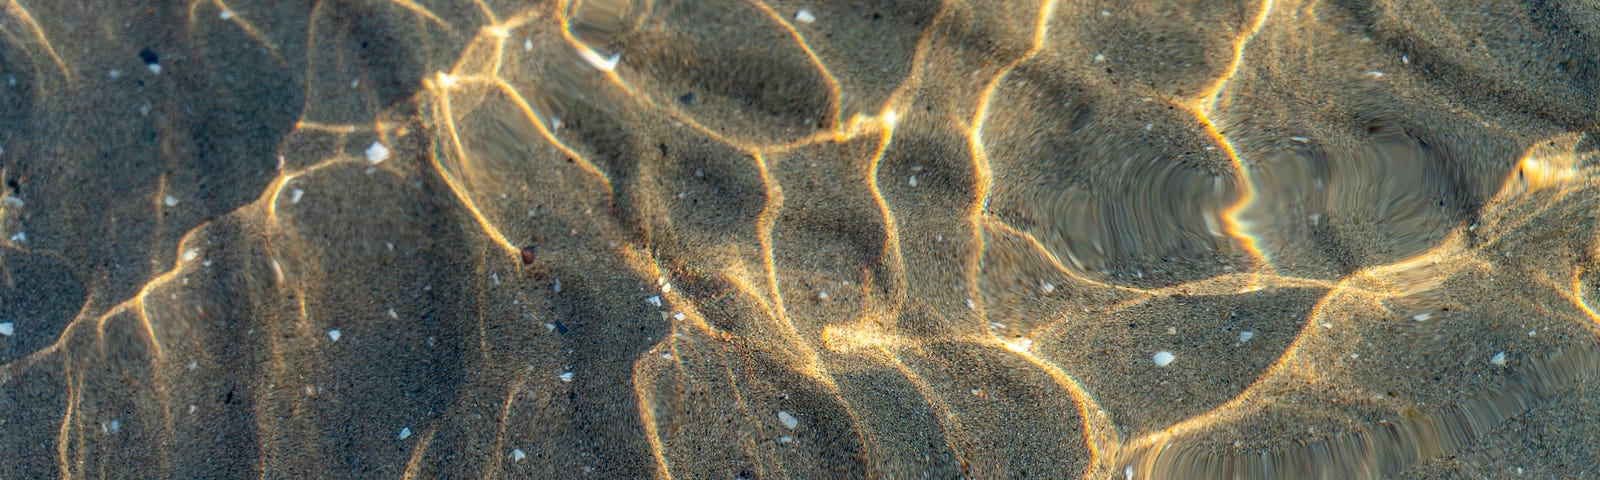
x=781 y=239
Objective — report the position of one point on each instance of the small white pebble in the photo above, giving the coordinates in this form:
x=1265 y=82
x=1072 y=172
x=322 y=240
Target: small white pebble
x=1099 y=58
x=666 y=288
x=654 y=301
x=1375 y=74
x=549 y=327
x=334 y=334
x=377 y=153
x=1406 y=60
x=785 y=439
x=517 y=455
x=1163 y=358
x=913 y=180
x=393 y=314
x=970 y=305
x=114 y=73
x=193 y=364
x=294 y=195
x=405 y=432
x=8 y=329
x=171 y=201
x=1105 y=13
x=190 y=254
x=822 y=294
x=155 y=68
x=19 y=237
x=527 y=44
x=1499 y=359
x=788 y=420
x=804 y=16
x=1246 y=335
x=1172 y=330
x=191 y=408
x=678 y=316
x=566 y=376
x=1048 y=287
x=557 y=285
x=1422 y=317
x=226 y=14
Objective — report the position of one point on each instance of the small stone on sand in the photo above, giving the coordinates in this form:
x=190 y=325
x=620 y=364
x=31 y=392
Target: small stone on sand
x=1499 y=359
x=377 y=153
x=804 y=16
x=788 y=420
x=517 y=455
x=1246 y=335
x=1163 y=358
x=334 y=334
x=405 y=432
x=8 y=329
x=566 y=376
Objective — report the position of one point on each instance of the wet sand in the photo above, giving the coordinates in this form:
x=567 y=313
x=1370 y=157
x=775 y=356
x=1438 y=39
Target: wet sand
x=725 y=239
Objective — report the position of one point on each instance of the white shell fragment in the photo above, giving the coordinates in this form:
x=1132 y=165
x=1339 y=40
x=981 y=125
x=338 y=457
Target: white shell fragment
x=1163 y=358
x=334 y=334
x=8 y=329
x=405 y=432
x=1246 y=335
x=1499 y=359
x=788 y=420
x=377 y=153
x=804 y=16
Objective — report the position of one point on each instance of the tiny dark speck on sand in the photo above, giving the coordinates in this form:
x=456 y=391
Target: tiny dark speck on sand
x=149 y=56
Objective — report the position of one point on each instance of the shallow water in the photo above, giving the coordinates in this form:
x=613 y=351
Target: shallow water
x=728 y=239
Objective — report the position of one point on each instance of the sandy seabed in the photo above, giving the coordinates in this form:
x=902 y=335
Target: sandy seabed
x=778 y=239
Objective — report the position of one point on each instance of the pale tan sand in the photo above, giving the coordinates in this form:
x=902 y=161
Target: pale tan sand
x=882 y=239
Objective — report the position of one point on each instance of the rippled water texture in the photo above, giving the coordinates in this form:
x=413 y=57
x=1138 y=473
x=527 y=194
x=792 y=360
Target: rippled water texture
x=1335 y=239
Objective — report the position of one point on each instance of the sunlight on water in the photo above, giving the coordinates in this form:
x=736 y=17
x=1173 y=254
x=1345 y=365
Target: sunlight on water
x=779 y=239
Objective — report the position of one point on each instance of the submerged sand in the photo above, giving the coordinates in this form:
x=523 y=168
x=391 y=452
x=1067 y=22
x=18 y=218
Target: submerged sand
x=780 y=239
